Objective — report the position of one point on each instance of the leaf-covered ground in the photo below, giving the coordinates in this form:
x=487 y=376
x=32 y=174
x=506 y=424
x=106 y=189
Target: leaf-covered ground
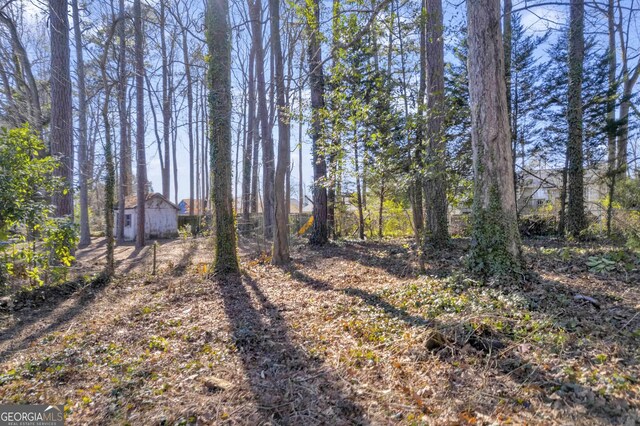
x=349 y=334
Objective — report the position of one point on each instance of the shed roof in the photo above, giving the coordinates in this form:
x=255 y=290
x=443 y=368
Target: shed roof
x=131 y=202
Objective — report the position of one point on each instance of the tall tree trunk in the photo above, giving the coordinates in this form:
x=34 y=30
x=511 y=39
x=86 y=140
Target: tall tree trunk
x=576 y=221
x=335 y=137
x=140 y=145
x=187 y=73
x=495 y=246
x=281 y=235
x=435 y=181
x=61 y=114
x=219 y=80
x=300 y=180
x=166 y=105
x=507 y=40
x=416 y=184
x=196 y=144
x=85 y=172
x=110 y=180
x=205 y=150
x=562 y=220
x=254 y=169
x=174 y=137
x=241 y=135
x=611 y=111
x=381 y=210
x=124 y=177
x=319 y=235
x=358 y=186
x=268 y=171
x=251 y=131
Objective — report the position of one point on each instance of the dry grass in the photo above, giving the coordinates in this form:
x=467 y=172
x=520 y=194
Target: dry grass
x=349 y=334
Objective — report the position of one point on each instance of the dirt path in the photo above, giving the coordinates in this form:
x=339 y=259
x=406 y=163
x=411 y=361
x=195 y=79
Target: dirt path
x=350 y=334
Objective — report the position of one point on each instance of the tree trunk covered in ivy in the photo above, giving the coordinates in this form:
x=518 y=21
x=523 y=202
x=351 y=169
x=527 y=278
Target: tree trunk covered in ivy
x=281 y=235
x=576 y=221
x=495 y=245
x=219 y=80
x=435 y=178
x=61 y=115
x=110 y=180
x=319 y=234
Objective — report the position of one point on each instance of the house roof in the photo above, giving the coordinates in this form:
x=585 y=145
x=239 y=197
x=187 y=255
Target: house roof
x=131 y=202
x=198 y=205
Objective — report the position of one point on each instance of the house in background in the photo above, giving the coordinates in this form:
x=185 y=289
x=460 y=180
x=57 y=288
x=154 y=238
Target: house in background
x=161 y=218
x=538 y=188
x=307 y=207
x=199 y=207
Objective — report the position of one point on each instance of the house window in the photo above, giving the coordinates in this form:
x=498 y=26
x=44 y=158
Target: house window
x=127 y=220
x=540 y=202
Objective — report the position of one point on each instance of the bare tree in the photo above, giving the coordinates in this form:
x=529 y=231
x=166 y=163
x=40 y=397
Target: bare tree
x=189 y=87
x=24 y=75
x=281 y=237
x=255 y=12
x=166 y=103
x=251 y=131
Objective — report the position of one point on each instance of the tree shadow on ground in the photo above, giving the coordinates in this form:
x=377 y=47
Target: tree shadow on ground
x=500 y=350
x=26 y=318
x=399 y=261
x=609 y=324
x=185 y=261
x=289 y=387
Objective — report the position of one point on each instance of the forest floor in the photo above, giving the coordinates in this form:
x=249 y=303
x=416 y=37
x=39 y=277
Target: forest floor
x=348 y=334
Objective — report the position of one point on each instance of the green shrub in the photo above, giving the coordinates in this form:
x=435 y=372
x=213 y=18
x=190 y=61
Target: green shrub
x=34 y=247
